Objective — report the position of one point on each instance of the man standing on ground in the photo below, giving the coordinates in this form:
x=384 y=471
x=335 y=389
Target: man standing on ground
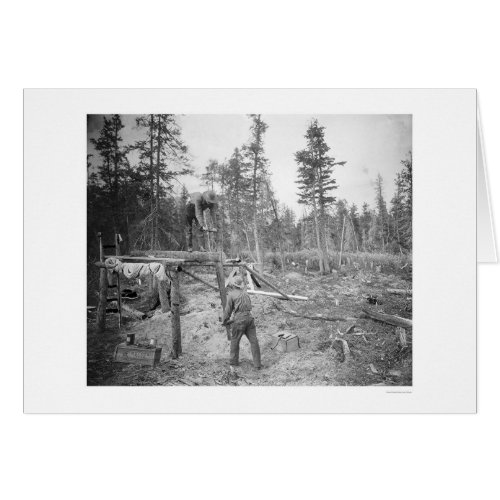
x=196 y=205
x=243 y=323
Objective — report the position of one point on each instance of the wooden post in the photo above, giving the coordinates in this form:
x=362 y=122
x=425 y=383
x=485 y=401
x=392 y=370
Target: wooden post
x=103 y=290
x=163 y=293
x=206 y=233
x=118 y=287
x=342 y=243
x=221 y=280
x=176 y=317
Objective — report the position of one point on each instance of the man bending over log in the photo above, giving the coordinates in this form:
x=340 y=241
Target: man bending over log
x=197 y=204
x=243 y=323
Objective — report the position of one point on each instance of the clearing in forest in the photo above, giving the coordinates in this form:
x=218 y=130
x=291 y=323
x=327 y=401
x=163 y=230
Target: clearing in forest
x=375 y=355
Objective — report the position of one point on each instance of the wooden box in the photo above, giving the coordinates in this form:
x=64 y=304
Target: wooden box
x=149 y=356
x=287 y=342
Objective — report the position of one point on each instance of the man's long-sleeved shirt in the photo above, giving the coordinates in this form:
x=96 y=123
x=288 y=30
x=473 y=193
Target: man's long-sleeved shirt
x=237 y=301
x=201 y=204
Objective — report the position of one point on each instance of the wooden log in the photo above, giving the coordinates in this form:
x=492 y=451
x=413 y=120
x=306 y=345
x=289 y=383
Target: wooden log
x=277 y=295
x=252 y=280
x=261 y=278
x=176 y=317
x=389 y=319
x=221 y=280
x=161 y=260
x=317 y=317
x=103 y=291
x=186 y=256
x=194 y=276
x=134 y=313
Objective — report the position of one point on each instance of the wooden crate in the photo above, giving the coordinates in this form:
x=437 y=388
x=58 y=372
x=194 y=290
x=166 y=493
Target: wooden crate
x=287 y=342
x=149 y=356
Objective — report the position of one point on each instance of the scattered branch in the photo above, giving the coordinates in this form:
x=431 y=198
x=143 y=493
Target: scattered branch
x=307 y=316
x=388 y=318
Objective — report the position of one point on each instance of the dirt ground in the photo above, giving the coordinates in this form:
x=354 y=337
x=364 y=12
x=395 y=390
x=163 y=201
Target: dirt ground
x=376 y=356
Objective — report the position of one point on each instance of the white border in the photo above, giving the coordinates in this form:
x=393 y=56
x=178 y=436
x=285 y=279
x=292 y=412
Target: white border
x=444 y=309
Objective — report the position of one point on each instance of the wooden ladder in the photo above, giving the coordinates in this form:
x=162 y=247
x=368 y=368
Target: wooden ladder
x=102 y=257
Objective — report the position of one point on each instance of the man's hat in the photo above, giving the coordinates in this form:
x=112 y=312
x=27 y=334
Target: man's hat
x=238 y=282
x=210 y=196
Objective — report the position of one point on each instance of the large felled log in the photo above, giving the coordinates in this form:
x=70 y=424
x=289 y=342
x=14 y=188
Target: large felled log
x=128 y=258
x=318 y=317
x=277 y=295
x=261 y=278
x=389 y=319
x=186 y=256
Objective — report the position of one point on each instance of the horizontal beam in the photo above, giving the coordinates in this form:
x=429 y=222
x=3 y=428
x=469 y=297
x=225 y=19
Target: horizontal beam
x=185 y=256
x=129 y=258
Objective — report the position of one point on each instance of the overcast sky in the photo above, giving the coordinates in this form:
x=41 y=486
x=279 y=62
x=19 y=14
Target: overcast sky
x=370 y=144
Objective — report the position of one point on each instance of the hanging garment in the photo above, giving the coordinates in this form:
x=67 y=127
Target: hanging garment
x=142 y=270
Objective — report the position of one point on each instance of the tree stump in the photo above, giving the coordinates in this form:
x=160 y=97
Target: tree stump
x=402 y=336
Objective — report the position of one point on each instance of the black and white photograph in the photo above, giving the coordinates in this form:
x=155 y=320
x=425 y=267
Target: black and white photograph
x=249 y=250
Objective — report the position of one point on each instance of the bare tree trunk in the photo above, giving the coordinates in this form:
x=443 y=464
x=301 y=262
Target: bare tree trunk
x=354 y=233
x=157 y=194
x=342 y=242
x=248 y=244
x=151 y=178
x=318 y=241
x=278 y=223
x=258 y=248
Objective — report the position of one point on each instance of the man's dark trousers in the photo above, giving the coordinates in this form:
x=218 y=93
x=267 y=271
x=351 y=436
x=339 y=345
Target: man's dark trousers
x=244 y=325
x=190 y=218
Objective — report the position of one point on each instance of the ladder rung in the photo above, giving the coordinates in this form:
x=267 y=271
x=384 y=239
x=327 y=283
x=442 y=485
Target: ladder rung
x=111 y=311
x=112 y=299
x=111 y=286
x=109 y=246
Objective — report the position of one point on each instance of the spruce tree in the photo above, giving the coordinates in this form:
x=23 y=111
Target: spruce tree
x=316 y=184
